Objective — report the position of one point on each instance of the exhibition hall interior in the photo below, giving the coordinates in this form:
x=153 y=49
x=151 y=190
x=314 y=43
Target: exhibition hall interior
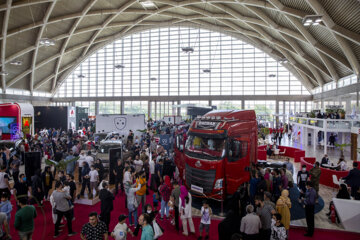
x=172 y=119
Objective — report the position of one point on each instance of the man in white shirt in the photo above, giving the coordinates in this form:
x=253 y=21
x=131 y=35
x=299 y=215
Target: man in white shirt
x=80 y=164
x=138 y=164
x=121 y=229
x=250 y=224
x=89 y=159
x=94 y=178
x=127 y=175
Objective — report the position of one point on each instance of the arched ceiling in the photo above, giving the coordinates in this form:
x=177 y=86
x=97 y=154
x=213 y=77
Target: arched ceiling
x=316 y=54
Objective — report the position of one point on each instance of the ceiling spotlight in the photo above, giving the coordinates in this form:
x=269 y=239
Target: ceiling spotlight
x=81 y=76
x=47 y=42
x=271 y=75
x=311 y=20
x=187 y=49
x=4 y=73
x=283 y=61
x=147 y=4
x=153 y=79
x=119 y=66
x=206 y=70
x=16 y=62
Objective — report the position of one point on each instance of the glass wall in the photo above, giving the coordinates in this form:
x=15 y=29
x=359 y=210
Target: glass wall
x=227 y=104
x=179 y=61
x=109 y=107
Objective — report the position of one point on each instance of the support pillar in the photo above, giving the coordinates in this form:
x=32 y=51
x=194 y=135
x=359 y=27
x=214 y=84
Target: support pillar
x=122 y=110
x=277 y=112
x=325 y=142
x=149 y=109
x=242 y=104
x=155 y=112
x=178 y=108
x=316 y=132
x=96 y=108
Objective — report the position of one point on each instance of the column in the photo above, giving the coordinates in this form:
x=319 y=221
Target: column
x=149 y=109
x=122 y=104
x=96 y=107
x=173 y=109
x=304 y=135
x=315 y=139
x=243 y=104
x=325 y=142
x=155 y=112
x=178 y=109
x=277 y=112
x=210 y=103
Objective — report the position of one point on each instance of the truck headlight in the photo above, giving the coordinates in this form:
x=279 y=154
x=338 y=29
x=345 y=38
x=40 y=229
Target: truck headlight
x=219 y=184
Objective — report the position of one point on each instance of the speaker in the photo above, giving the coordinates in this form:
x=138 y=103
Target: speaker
x=114 y=155
x=32 y=163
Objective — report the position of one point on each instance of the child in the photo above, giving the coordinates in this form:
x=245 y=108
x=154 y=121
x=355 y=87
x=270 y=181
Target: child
x=171 y=212
x=278 y=231
x=155 y=201
x=94 y=178
x=62 y=177
x=66 y=189
x=121 y=229
x=206 y=213
x=6 y=207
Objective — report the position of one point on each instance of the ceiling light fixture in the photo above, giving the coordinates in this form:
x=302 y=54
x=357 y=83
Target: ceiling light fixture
x=47 y=42
x=4 y=73
x=81 y=76
x=153 y=79
x=283 y=61
x=187 y=49
x=119 y=66
x=206 y=70
x=271 y=75
x=16 y=62
x=312 y=20
x=147 y=4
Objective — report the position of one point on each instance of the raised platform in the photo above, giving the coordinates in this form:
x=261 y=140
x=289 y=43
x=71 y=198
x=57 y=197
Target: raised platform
x=86 y=201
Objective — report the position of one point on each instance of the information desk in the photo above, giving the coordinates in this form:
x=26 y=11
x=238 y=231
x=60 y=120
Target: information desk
x=291 y=152
x=326 y=177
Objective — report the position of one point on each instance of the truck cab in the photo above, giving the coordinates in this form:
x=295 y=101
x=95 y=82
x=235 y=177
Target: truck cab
x=215 y=155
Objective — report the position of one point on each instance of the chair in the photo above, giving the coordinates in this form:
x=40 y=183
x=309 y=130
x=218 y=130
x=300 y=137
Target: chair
x=335 y=181
x=282 y=154
x=277 y=152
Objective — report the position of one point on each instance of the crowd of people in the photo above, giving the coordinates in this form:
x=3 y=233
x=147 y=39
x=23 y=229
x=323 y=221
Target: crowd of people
x=259 y=209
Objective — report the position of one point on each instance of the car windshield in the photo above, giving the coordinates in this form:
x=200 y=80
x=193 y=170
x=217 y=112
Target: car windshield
x=206 y=147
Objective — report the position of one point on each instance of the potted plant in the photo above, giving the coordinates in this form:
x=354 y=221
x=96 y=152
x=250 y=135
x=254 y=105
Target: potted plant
x=61 y=166
x=312 y=114
x=342 y=146
x=341 y=113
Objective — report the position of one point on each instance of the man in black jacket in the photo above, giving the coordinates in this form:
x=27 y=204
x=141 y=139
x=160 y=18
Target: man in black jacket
x=353 y=179
x=106 y=198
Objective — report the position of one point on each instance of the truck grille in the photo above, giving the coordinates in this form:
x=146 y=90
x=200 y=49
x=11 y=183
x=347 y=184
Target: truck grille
x=200 y=178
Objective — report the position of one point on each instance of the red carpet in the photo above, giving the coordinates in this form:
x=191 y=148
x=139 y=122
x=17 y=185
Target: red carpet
x=44 y=227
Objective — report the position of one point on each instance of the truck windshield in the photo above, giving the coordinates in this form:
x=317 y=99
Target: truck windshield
x=210 y=148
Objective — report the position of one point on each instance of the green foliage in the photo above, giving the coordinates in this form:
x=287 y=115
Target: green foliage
x=342 y=146
x=265 y=131
x=142 y=130
x=61 y=166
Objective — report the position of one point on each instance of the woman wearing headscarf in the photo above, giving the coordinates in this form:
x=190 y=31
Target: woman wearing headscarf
x=132 y=204
x=283 y=206
x=185 y=210
x=165 y=192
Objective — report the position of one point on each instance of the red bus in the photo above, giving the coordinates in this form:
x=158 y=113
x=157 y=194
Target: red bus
x=215 y=158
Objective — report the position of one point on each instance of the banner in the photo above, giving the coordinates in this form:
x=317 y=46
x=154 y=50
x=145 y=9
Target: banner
x=165 y=141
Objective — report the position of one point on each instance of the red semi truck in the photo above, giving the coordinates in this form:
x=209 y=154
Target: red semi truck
x=215 y=155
